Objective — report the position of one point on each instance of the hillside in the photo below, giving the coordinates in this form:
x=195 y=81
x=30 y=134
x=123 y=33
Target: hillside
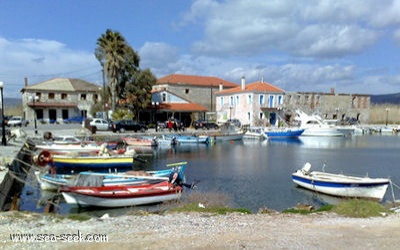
x=388 y=99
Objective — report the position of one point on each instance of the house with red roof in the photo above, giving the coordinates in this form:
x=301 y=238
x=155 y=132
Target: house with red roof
x=200 y=90
x=254 y=104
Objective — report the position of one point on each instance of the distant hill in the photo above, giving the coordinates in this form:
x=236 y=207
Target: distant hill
x=12 y=102
x=389 y=99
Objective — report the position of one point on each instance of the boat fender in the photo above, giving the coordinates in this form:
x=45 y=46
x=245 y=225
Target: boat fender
x=43 y=158
x=306 y=168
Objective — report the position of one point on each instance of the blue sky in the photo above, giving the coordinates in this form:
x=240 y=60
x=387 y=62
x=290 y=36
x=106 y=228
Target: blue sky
x=297 y=45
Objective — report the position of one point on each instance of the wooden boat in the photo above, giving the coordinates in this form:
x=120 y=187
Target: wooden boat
x=283 y=132
x=77 y=163
x=341 y=185
x=190 y=139
x=229 y=131
x=141 y=142
x=255 y=133
x=122 y=196
x=53 y=182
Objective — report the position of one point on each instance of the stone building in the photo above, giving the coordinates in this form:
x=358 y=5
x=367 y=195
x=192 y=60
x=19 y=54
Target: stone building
x=331 y=106
x=58 y=99
x=198 y=89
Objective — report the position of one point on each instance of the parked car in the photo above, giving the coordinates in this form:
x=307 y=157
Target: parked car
x=125 y=125
x=203 y=124
x=17 y=121
x=100 y=124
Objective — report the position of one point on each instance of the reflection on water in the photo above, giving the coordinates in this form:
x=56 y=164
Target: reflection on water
x=257 y=174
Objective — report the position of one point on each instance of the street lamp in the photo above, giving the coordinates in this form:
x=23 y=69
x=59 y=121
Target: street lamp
x=155 y=104
x=34 y=98
x=3 y=125
x=387 y=115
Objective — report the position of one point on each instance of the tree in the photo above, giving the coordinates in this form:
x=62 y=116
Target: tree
x=115 y=56
x=138 y=90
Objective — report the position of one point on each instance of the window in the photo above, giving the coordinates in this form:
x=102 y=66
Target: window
x=83 y=97
x=164 y=97
x=186 y=91
x=280 y=100
x=261 y=99
x=261 y=115
x=237 y=100
x=221 y=101
x=248 y=116
x=64 y=96
x=249 y=99
x=51 y=95
x=231 y=101
x=271 y=101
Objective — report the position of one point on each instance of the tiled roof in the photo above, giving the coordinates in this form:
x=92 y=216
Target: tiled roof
x=259 y=86
x=182 y=107
x=63 y=84
x=205 y=81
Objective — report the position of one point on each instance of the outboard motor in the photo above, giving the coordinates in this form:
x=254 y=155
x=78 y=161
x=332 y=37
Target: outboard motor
x=306 y=168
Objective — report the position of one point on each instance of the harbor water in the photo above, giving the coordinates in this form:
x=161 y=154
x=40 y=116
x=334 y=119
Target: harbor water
x=257 y=175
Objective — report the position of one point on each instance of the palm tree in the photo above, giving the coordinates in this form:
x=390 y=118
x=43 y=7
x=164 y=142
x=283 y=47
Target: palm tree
x=110 y=51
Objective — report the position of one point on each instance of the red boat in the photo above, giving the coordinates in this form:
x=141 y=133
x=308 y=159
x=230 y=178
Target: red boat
x=122 y=196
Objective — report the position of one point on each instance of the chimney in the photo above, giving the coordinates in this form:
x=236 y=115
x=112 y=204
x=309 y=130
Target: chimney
x=332 y=90
x=221 y=86
x=243 y=83
x=26 y=81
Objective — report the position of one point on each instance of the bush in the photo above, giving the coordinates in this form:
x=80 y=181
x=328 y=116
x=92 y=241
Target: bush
x=360 y=208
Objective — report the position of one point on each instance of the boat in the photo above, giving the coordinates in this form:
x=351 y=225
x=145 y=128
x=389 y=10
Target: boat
x=341 y=185
x=122 y=196
x=77 y=162
x=283 y=132
x=167 y=141
x=51 y=181
x=256 y=133
x=229 y=131
x=141 y=142
x=314 y=126
x=191 y=139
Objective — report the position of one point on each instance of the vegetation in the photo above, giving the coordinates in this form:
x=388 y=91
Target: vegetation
x=126 y=81
x=359 y=208
x=191 y=207
x=79 y=217
x=324 y=208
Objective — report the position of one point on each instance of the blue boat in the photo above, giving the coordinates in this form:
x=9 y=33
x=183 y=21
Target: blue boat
x=190 y=139
x=49 y=181
x=283 y=132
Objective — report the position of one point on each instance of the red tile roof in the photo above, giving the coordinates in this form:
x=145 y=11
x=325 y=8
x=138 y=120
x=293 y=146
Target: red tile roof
x=182 y=107
x=254 y=87
x=205 y=81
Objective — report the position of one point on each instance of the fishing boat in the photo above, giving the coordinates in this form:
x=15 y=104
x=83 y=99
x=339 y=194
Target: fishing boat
x=283 y=132
x=141 y=142
x=51 y=181
x=191 y=139
x=229 y=131
x=341 y=185
x=256 y=133
x=122 y=196
x=77 y=162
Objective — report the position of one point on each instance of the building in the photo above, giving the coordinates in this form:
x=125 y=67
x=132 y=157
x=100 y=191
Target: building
x=198 y=89
x=58 y=99
x=254 y=104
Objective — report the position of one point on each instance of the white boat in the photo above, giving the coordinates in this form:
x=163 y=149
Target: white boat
x=341 y=185
x=255 y=133
x=229 y=131
x=314 y=126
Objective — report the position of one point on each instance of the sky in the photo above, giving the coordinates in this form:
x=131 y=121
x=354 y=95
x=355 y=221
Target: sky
x=352 y=46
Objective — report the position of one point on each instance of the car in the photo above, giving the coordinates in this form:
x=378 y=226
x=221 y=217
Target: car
x=203 y=124
x=100 y=124
x=125 y=125
x=17 y=121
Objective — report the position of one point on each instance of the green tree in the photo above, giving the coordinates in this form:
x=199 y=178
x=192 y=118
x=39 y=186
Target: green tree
x=114 y=55
x=138 y=90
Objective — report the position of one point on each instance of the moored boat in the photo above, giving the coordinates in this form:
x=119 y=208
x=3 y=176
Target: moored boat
x=122 y=196
x=283 y=132
x=51 y=181
x=255 y=133
x=341 y=185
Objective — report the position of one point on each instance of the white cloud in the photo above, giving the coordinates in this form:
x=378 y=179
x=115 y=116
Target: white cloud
x=40 y=60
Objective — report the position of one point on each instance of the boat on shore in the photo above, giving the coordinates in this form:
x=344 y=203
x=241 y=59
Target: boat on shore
x=341 y=185
x=122 y=196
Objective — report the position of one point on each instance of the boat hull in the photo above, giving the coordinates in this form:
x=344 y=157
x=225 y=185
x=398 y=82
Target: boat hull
x=285 y=133
x=115 y=197
x=96 y=162
x=341 y=185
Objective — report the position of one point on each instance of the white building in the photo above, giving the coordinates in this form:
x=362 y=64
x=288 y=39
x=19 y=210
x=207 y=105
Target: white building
x=254 y=104
x=58 y=99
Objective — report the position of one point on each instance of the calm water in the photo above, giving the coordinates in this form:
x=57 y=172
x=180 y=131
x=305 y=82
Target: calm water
x=258 y=174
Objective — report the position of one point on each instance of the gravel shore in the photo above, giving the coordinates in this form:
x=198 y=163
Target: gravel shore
x=206 y=231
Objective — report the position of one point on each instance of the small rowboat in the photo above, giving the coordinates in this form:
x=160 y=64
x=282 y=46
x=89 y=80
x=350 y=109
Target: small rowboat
x=53 y=182
x=122 y=196
x=341 y=185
